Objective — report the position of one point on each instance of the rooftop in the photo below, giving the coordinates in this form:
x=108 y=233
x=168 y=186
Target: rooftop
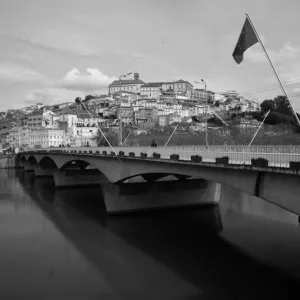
x=124 y=92
x=125 y=82
x=68 y=111
x=152 y=84
x=36 y=112
x=85 y=115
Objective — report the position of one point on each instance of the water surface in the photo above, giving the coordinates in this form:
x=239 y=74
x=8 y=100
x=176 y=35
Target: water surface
x=59 y=244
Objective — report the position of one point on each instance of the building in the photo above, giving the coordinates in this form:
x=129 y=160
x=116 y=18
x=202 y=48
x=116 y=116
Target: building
x=180 y=87
x=46 y=137
x=165 y=109
x=246 y=124
x=35 y=119
x=84 y=119
x=18 y=137
x=164 y=120
x=125 y=96
x=10 y=122
x=69 y=116
x=151 y=90
x=127 y=115
x=233 y=94
x=63 y=105
x=85 y=136
x=42 y=118
x=219 y=97
x=68 y=121
x=200 y=95
x=146 y=103
x=127 y=85
x=175 y=119
x=146 y=115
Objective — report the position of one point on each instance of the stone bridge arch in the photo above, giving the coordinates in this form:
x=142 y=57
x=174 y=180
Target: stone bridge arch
x=277 y=188
x=30 y=163
x=77 y=164
x=21 y=160
x=47 y=162
x=118 y=172
x=32 y=159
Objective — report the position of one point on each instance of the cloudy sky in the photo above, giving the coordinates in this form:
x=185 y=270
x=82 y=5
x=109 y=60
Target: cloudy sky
x=54 y=50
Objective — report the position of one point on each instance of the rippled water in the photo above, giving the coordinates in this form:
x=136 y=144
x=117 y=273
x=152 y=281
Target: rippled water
x=59 y=244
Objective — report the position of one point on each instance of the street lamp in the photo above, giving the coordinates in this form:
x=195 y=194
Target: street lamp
x=120 y=122
x=206 y=139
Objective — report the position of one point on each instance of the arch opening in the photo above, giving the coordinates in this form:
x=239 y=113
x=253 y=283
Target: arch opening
x=79 y=173
x=47 y=163
x=154 y=177
x=32 y=160
x=78 y=165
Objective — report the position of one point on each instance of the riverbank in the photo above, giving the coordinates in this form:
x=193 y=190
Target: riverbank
x=8 y=162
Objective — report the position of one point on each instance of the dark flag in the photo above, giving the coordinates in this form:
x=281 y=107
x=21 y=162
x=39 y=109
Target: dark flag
x=247 y=39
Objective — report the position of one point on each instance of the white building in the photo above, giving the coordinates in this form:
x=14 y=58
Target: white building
x=219 y=97
x=83 y=118
x=69 y=116
x=42 y=118
x=145 y=103
x=86 y=136
x=126 y=85
x=151 y=90
x=18 y=137
x=37 y=137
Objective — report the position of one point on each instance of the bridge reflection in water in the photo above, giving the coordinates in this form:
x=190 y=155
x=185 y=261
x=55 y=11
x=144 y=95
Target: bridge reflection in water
x=234 y=250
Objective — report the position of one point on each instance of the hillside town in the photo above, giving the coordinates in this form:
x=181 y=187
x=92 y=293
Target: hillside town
x=141 y=106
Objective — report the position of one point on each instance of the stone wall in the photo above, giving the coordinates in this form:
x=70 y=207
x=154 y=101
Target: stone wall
x=7 y=162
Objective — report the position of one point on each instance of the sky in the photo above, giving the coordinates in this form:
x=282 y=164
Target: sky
x=52 y=51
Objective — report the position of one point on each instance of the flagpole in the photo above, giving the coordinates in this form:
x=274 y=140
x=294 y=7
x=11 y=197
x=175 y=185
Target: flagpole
x=262 y=45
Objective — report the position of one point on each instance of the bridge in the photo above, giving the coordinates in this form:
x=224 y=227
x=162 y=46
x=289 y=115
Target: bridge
x=191 y=174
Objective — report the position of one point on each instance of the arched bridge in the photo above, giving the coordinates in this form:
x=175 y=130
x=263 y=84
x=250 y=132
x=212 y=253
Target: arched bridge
x=270 y=173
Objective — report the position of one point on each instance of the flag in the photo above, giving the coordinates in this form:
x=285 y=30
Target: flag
x=247 y=39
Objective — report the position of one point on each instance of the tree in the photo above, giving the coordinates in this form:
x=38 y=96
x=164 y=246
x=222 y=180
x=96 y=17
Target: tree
x=267 y=105
x=77 y=100
x=88 y=97
x=282 y=105
x=274 y=118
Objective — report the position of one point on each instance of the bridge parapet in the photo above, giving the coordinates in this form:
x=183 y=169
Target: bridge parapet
x=276 y=156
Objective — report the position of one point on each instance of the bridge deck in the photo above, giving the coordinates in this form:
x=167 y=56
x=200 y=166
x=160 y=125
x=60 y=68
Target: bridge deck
x=279 y=156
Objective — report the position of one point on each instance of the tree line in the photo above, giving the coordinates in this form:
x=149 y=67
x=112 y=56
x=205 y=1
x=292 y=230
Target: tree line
x=280 y=113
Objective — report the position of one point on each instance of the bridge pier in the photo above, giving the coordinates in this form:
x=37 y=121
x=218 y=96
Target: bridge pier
x=87 y=177
x=39 y=171
x=132 y=197
x=29 y=167
x=281 y=190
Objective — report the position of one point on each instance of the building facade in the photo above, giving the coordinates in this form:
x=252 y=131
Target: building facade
x=180 y=87
x=200 y=95
x=18 y=137
x=129 y=85
x=126 y=114
x=151 y=90
x=146 y=115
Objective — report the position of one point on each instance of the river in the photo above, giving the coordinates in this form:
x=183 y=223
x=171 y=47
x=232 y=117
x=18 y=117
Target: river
x=59 y=244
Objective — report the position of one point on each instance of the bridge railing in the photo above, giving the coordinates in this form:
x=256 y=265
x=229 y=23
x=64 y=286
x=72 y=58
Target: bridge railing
x=279 y=156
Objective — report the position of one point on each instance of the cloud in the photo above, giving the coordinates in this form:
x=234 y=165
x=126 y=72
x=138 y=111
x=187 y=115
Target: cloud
x=93 y=80
x=18 y=74
x=296 y=92
x=50 y=96
x=74 y=84
x=286 y=54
